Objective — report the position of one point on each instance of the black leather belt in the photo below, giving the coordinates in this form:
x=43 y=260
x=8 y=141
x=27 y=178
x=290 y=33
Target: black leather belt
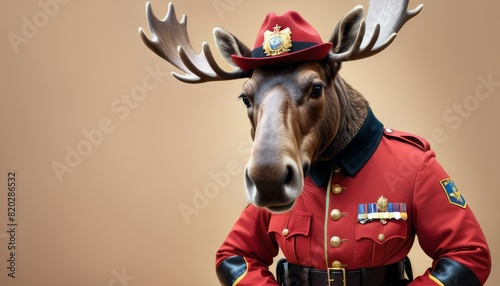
x=295 y=275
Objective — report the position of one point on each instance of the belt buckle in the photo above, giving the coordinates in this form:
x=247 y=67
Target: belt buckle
x=331 y=279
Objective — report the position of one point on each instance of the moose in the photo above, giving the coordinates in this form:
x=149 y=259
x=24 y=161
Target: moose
x=312 y=119
x=315 y=176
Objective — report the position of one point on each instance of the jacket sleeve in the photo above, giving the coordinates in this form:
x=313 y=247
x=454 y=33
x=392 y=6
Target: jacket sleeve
x=447 y=229
x=248 y=251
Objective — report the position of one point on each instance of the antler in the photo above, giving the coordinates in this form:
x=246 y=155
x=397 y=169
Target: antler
x=170 y=40
x=385 y=18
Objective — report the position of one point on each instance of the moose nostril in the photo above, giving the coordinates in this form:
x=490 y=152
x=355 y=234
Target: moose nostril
x=289 y=175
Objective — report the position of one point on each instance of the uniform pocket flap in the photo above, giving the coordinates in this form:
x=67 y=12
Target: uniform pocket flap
x=290 y=224
x=381 y=233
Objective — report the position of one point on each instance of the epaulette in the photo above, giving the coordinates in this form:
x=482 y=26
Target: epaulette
x=412 y=139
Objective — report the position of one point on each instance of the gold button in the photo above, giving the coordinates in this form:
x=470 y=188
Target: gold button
x=335 y=241
x=337 y=170
x=285 y=232
x=335 y=214
x=336 y=264
x=337 y=189
x=381 y=237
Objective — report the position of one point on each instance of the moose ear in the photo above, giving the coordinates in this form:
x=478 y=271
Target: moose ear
x=345 y=33
x=228 y=45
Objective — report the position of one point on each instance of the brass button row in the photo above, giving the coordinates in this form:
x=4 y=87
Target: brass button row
x=335 y=214
x=336 y=264
x=336 y=241
x=337 y=189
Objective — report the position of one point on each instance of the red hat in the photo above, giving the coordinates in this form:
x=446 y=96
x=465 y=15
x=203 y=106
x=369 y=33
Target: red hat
x=284 y=39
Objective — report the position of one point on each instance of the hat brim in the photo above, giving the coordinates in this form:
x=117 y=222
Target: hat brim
x=314 y=53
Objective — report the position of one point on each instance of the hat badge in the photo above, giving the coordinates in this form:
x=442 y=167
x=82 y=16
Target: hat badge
x=277 y=42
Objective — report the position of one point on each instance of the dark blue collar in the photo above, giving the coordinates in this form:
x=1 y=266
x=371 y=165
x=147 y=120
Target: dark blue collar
x=354 y=156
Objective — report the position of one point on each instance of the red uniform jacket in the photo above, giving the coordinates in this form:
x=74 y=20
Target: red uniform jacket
x=379 y=162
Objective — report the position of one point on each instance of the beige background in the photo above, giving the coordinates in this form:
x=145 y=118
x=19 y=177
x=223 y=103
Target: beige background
x=112 y=216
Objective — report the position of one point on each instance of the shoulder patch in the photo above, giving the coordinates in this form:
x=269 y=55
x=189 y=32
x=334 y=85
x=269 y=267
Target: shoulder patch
x=454 y=196
x=412 y=139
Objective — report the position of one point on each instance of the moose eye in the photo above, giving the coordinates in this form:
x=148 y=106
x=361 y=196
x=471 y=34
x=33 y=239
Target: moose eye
x=245 y=99
x=317 y=90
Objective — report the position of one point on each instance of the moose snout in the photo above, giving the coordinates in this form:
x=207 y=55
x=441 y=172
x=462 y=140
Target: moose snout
x=274 y=185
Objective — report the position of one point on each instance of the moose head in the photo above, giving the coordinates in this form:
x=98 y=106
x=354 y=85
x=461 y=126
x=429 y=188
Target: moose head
x=301 y=111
